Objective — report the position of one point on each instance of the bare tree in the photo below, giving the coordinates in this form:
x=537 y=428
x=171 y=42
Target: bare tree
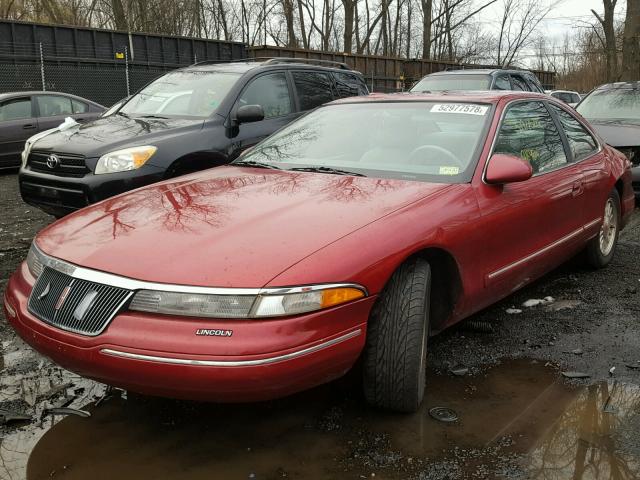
x=609 y=42
x=520 y=18
x=631 y=42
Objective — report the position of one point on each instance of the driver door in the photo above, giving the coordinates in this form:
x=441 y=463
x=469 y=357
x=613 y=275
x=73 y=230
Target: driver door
x=534 y=225
x=273 y=93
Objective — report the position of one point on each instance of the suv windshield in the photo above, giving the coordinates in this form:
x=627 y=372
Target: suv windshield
x=453 y=82
x=183 y=93
x=428 y=141
x=612 y=104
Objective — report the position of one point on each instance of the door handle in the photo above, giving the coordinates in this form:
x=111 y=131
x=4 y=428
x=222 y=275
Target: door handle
x=578 y=189
x=28 y=126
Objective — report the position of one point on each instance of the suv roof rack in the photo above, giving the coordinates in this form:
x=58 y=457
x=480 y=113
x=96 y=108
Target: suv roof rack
x=276 y=60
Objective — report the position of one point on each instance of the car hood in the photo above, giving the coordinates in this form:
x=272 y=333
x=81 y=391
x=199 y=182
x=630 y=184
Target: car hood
x=618 y=134
x=224 y=227
x=110 y=133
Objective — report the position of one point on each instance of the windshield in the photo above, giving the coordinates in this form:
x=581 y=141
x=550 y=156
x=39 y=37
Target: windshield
x=612 y=104
x=428 y=141
x=183 y=93
x=453 y=82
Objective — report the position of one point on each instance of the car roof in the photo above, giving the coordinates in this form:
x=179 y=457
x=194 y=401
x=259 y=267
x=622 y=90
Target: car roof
x=462 y=96
x=476 y=71
x=563 y=91
x=620 y=85
x=8 y=95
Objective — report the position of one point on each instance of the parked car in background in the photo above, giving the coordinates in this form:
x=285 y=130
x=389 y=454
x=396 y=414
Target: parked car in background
x=23 y=114
x=197 y=117
x=567 y=96
x=260 y=278
x=614 y=111
x=480 y=79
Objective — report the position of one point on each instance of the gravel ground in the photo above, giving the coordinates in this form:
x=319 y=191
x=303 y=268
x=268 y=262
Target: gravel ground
x=518 y=418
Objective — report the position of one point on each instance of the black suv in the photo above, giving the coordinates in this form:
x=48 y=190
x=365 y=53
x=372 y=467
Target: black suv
x=190 y=119
x=479 y=79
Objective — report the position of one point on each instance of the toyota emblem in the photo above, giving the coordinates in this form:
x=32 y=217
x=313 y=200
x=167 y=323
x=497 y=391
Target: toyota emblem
x=53 y=162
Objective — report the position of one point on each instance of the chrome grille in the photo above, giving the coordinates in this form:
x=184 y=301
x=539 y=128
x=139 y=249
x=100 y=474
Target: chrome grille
x=87 y=307
x=69 y=165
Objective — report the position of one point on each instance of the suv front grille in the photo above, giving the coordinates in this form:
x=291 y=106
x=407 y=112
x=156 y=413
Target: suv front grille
x=67 y=165
x=75 y=305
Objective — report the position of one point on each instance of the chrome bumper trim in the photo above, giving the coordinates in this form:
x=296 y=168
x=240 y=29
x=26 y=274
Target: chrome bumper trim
x=127 y=283
x=233 y=363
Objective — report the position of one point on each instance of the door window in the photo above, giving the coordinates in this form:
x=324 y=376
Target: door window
x=528 y=131
x=349 y=85
x=313 y=88
x=581 y=142
x=53 y=105
x=15 y=109
x=502 y=83
x=269 y=91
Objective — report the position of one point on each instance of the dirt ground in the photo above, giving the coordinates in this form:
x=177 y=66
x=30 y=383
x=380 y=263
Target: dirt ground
x=500 y=373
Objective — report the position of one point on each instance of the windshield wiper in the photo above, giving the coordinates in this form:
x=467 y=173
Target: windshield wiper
x=253 y=163
x=153 y=116
x=334 y=171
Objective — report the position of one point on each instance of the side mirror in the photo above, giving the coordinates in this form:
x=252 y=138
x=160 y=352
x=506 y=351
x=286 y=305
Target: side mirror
x=504 y=168
x=249 y=114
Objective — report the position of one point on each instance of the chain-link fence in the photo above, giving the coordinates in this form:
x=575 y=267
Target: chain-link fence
x=39 y=67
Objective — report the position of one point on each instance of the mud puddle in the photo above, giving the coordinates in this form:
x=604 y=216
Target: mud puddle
x=518 y=420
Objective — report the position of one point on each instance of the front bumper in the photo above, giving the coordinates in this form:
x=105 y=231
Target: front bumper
x=161 y=355
x=60 y=195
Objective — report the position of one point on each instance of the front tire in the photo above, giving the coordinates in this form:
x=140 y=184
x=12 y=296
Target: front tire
x=395 y=354
x=601 y=248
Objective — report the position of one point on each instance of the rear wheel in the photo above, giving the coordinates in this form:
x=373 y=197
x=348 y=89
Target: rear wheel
x=602 y=247
x=395 y=355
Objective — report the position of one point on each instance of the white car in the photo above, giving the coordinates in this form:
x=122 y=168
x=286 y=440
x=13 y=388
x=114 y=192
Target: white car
x=567 y=96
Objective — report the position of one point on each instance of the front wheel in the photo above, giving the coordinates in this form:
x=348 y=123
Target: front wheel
x=395 y=355
x=602 y=247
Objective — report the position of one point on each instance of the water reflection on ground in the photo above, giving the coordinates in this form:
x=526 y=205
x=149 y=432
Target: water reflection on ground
x=518 y=420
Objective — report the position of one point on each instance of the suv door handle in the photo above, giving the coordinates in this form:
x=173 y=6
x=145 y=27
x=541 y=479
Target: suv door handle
x=28 y=126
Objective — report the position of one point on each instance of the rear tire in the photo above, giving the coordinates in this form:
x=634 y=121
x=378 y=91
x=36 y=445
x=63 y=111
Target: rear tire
x=601 y=248
x=394 y=360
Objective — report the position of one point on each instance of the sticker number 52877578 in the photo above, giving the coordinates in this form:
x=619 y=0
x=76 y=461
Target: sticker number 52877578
x=466 y=108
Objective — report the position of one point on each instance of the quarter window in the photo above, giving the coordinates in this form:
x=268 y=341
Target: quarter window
x=271 y=92
x=349 y=85
x=519 y=83
x=79 y=107
x=53 y=105
x=502 y=83
x=529 y=132
x=313 y=88
x=581 y=142
x=15 y=109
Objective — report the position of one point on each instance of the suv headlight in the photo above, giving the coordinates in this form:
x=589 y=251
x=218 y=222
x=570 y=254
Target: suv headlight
x=292 y=302
x=124 y=160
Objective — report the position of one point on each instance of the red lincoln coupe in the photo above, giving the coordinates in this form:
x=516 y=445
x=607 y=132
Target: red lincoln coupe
x=357 y=230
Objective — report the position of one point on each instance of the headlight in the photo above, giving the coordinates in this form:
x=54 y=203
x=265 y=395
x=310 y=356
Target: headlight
x=294 y=301
x=124 y=160
x=35 y=261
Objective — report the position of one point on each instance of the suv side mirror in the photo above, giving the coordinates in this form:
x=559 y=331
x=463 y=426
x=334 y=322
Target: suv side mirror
x=503 y=168
x=249 y=114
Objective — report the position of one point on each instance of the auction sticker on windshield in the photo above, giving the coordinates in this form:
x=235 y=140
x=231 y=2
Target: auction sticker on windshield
x=469 y=109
